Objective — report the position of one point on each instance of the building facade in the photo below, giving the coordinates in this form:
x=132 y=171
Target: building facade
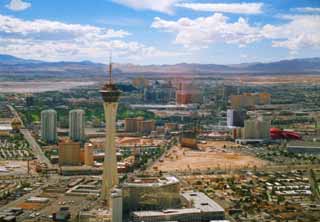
x=48 y=129
x=235 y=118
x=257 y=129
x=88 y=154
x=77 y=125
x=151 y=193
x=131 y=124
x=249 y=100
x=69 y=153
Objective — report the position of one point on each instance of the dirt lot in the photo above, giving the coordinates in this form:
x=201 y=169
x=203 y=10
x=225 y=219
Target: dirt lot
x=214 y=155
x=40 y=86
x=271 y=80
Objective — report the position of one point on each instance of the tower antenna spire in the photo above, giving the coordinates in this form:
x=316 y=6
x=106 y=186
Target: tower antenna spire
x=110 y=68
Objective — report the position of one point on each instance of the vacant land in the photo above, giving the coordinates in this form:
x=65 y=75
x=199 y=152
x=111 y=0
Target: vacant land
x=40 y=86
x=214 y=155
x=273 y=80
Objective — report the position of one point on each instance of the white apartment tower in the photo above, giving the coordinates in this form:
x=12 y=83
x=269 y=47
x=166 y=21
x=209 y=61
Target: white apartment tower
x=49 y=126
x=77 y=125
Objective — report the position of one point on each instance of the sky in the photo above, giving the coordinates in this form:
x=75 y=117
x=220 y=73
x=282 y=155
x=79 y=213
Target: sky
x=160 y=31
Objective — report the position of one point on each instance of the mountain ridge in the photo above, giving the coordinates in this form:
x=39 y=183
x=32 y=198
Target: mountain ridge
x=12 y=64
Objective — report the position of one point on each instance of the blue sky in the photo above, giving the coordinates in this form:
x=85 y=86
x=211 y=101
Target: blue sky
x=160 y=31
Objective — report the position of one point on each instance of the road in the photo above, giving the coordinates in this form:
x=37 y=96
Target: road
x=33 y=143
x=35 y=147
x=20 y=200
x=15 y=113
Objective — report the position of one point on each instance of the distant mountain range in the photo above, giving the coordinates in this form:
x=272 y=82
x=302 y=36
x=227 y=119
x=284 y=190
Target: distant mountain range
x=13 y=65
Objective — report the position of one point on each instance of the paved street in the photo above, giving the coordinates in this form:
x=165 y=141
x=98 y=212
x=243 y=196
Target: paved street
x=35 y=147
x=33 y=143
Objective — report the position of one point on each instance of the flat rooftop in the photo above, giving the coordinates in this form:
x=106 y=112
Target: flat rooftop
x=167 y=106
x=168 y=212
x=152 y=182
x=304 y=144
x=202 y=202
x=5 y=127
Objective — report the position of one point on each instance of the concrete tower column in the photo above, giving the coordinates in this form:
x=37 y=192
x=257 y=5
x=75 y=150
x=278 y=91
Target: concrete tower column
x=110 y=95
x=110 y=174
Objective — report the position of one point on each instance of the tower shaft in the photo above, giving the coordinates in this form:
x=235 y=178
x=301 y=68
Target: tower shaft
x=110 y=174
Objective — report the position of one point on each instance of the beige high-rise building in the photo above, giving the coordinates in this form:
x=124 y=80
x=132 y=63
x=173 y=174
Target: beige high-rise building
x=131 y=124
x=146 y=127
x=256 y=129
x=88 y=154
x=69 y=153
x=249 y=99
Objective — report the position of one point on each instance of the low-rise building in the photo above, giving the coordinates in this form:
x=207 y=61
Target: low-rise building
x=151 y=193
x=199 y=208
x=304 y=147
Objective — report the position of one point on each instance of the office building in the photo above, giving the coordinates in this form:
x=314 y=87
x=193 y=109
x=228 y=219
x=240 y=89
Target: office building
x=146 y=126
x=76 y=125
x=159 y=93
x=235 y=118
x=69 y=153
x=49 y=126
x=186 y=94
x=131 y=124
x=139 y=125
x=247 y=100
x=257 y=129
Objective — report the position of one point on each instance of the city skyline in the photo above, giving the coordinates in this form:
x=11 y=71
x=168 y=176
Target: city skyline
x=166 y=32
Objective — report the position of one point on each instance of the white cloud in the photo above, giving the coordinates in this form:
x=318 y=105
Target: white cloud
x=14 y=26
x=298 y=31
x=301 y=31
x=238 y=8
x=202 y=31
x=165 y=6
x=18 y=5
x=52 y=41
x=307 y=10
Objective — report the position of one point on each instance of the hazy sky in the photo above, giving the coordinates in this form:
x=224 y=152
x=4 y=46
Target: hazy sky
x=160 y=31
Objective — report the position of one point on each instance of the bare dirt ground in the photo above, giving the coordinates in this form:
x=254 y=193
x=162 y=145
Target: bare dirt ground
x=214 y=155
x=271 y=80
x=40 y=86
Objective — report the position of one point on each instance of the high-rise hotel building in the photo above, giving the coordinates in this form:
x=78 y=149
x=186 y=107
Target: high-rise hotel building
x=77 y=125
x=49 y=126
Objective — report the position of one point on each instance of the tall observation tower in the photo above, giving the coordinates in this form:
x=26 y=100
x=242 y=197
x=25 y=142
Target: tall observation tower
x=110 y=95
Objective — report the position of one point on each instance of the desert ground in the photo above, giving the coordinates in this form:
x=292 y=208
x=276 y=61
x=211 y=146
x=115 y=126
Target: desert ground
x=213 y=155
x=40 y=86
